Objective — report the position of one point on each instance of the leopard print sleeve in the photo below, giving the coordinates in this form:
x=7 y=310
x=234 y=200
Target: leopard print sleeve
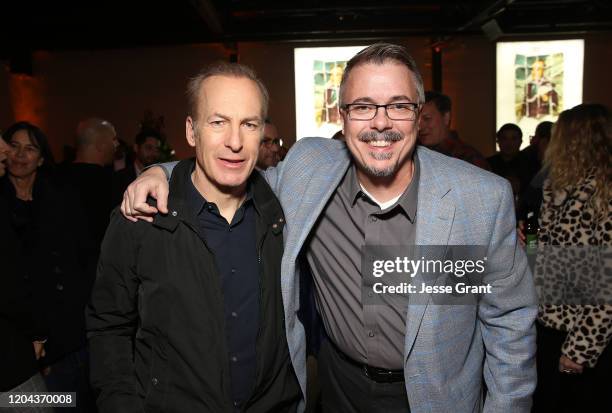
x=566 y=219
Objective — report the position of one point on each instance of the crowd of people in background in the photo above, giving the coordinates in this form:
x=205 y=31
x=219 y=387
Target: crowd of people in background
x=53 y=217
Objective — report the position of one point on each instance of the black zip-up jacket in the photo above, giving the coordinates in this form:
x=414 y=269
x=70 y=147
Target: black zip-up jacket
x=156 y=319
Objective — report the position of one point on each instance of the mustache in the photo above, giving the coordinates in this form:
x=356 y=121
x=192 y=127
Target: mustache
x=389 y=136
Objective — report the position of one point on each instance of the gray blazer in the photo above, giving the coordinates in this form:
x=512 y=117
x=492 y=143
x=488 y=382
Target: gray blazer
x=448 y=348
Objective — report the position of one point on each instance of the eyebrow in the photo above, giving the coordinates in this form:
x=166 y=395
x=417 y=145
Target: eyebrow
x=24 y=145
x=251 y=119
x=226 y=117
x=365 y=99
x=219 y=115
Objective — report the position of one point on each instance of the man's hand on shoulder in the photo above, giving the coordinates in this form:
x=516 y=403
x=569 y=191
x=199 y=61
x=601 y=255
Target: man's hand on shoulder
x=152 y=182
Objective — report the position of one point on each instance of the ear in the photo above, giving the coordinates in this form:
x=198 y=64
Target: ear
x=342 y=114
x=190 y=133
x=446 y=118
x=41 y=161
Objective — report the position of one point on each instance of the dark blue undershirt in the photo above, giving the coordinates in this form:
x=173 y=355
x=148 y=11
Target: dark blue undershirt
x=236 y=257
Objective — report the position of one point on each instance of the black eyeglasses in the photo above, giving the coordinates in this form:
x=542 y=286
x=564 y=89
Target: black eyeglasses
x=394 y=111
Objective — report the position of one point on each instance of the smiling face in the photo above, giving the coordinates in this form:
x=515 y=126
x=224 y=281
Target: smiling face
x=24 y=156
x=381 y=147
x=228 y=131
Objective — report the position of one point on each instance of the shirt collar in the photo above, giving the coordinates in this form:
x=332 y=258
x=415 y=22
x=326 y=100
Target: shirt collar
x=197 y=202
x=407 y=201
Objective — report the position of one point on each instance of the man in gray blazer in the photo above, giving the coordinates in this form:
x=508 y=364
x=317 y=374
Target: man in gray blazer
x=411 y=353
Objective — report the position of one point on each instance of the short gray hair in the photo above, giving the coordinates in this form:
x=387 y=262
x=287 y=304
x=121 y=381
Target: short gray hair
x=228 y=70
x=380 y=53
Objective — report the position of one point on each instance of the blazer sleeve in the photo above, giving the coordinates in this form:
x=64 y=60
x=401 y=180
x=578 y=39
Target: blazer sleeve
x=112 y=318
x=507 y=317
x=271 y=175
x=167 y=167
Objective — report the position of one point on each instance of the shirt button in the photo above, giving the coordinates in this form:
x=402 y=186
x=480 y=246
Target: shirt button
x=233 y=271
x=230 y=230
x=174 y=213
x=370 y=334
x=370 y=294
x=234 y=314
x=236 y=403
x=154 y=381
x=234 y=359
x=374 y=219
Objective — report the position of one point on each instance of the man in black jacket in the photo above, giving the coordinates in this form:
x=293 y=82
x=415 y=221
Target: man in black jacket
x=187 y=313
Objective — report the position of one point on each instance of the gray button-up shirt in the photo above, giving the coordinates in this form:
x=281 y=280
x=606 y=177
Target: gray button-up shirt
x=369 y=334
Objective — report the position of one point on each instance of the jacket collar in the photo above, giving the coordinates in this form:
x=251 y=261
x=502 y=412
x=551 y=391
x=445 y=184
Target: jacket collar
x=266 y=204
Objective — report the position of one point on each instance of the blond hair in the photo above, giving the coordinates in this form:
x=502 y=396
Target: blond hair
x=581 y=146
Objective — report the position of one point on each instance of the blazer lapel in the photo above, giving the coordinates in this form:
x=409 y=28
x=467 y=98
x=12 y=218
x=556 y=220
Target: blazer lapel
x=435 y=214
x=317 y=192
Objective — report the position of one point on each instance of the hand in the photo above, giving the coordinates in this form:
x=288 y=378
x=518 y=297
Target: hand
x=153 y=183
x=520 y=231
x=566 y=365
x=39 y=349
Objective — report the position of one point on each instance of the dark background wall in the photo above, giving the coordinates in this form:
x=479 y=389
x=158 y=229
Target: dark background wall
x=120 y=85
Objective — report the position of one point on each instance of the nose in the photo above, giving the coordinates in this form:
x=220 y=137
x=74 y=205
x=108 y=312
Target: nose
x=18 y=151
x=234 y=139
x=381 y=121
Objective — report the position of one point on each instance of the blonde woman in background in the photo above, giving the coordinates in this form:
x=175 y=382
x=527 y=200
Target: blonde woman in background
x=574 y=355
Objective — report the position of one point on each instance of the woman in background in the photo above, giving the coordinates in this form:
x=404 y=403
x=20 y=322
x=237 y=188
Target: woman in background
x=23 y=339
x=575 y=318
x=54 y=256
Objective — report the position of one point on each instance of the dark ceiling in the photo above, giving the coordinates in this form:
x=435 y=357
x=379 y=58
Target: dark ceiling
x=59 y=25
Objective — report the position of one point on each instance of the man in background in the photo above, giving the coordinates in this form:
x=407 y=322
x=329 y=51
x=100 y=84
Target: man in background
x=533 y=155
x=435 y=133
x=509 y=138
x=90 y=175
x=146 y=152
x=269 y=149
x=507 y=163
